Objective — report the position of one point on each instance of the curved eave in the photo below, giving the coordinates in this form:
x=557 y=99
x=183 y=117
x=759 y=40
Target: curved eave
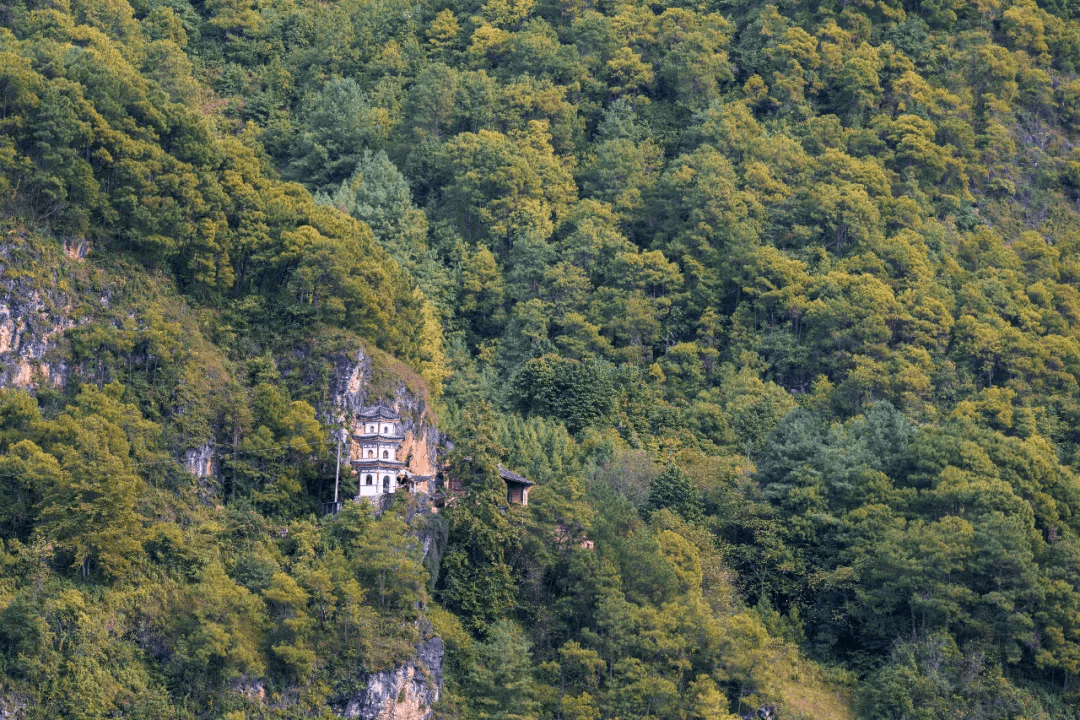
x=378 y=462
x=378 y=436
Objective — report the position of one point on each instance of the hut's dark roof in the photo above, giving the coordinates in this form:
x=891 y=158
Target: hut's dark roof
x=379 y=411
x=514 y=477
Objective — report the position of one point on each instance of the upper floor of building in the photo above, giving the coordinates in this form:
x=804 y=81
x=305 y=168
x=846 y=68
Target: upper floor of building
x=378 y=422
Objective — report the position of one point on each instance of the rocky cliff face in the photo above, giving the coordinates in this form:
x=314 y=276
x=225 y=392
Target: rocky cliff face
x=354 y=387
x=407 y=692
x=35 y=312
x=201 y=461
x=27 y=333
x=48 y=289
x=13 y=707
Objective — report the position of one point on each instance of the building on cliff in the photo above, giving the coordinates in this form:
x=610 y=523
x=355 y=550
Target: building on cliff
x=378 y=435
x=380 y=469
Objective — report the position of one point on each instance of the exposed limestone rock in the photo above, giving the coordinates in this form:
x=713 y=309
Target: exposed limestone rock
x=407 y=692
x=29 y=330
x=76 y=249
x=13 y=707
x=200 y=461
x=44 y=293
x=252 y=690
x=36 y=309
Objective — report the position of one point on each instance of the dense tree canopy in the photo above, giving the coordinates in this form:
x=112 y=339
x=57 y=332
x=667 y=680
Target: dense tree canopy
x=777 y=302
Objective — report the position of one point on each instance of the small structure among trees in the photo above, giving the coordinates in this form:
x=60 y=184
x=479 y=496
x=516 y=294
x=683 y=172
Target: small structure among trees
x=517 y=486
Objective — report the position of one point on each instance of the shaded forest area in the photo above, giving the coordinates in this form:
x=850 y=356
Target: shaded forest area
x=778 y=303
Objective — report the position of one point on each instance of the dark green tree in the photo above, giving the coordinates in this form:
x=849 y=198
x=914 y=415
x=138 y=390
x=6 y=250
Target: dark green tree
x=339 y=124
x=578 y=393
x=673 y=489
x=476 y=579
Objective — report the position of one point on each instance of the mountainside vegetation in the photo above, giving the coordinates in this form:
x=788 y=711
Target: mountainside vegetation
x=778 y=303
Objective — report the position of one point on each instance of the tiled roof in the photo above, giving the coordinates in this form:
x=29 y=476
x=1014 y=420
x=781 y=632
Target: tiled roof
x=514 y=477
x=379 y=411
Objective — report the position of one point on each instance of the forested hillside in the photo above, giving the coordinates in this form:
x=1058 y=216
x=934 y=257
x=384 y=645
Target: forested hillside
x=778 y=303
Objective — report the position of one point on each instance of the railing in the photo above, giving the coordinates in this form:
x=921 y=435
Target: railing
x=378 y=461
x=375 y=435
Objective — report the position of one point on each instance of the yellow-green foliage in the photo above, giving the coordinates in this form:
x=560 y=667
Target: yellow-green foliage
x=777 y=302
x=99 y=151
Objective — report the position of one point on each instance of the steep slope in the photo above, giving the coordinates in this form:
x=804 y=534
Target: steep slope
x=776 y=302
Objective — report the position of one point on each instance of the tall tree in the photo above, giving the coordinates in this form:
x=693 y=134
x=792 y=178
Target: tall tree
x=477 y=580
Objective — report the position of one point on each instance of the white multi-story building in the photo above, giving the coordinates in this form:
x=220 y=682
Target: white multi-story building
x=378 y=437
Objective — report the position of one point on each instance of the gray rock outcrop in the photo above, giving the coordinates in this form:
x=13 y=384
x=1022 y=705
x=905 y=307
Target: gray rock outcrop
x=408 y=692
x=201 y=461
x=35 y=312
x=13 y=707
